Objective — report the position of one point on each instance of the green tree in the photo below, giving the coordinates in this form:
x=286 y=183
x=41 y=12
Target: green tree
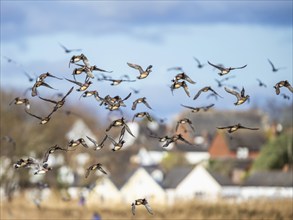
x=275 y=154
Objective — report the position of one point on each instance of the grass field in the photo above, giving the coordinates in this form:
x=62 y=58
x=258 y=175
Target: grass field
x=281 y=209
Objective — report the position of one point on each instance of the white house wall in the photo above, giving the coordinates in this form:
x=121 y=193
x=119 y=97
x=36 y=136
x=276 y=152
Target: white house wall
x=142 y=185
x=198 y=183
x=250 y=192
x=105 y=192
x=196 y=157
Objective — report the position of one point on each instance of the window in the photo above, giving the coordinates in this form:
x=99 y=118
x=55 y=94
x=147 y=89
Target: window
x=242 y=152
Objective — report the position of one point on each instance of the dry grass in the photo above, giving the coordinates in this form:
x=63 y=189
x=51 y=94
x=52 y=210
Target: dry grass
x=257 y=210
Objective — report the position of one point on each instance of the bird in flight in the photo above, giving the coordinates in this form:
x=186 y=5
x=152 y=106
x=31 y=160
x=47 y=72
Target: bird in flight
x=274 y=69
x=224 y=70
x=43 y=120
x=283 y=83
x=120 y=122
x=118 y=144
x=138 y=101
x=177 y=85
x=233 y=128
x=52 y=150
x=20 y=101
x=66 y=50
x=60 y=103
x=142 y=73
x=97 y=166
x=205 y=89
x=184 y=121
x=82 y=86
x=197 y=109
x=199 y=64
x=261 y=84
x=141 y=202
x=74 y=143
x=183 y=76
x=142 y=114
x=241 y=97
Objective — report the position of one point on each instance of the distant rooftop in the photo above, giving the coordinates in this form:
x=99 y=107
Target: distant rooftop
x=270 y=178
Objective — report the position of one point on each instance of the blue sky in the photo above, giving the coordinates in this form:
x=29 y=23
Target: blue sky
x=161 y=33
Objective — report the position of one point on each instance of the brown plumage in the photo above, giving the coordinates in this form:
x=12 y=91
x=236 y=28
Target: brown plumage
x=241 y=97
x=205 y=89
x=97 y=166
x=141 y=202
x=283 y=83
x=233 y=128
x=142 y=73
x=224 y=70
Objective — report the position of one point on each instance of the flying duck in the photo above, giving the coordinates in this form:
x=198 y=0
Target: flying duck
x=38 y=84
x=74 y=143
x=199 y=64
x=261 y=84
x=82 y=86
x=43 y=120
x=60 y=103
x=233 y=128
x=66 y=50
x=177 y=85
x=138 y=101
x=241 y=97
x=97 y=166
x=274 y=69
x=142 y=73
x=52 y=150
x=120 y=122
x=100 y=145
x=118 y=145
x=142 y=114
x=141 y=202
x=205 y=89
x=183 y=76
x=184 y=121
x=224 y=70
x=20 y=101
x=283 y=83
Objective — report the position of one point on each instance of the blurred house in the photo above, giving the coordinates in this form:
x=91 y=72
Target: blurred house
x=141 y=184
x=194 y=182
x=80 y=130
x=242 y=144
x=273 y=184
x=152 y=153
x=105 y=192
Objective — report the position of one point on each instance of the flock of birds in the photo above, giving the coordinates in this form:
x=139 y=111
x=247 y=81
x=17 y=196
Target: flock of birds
x=115 y=103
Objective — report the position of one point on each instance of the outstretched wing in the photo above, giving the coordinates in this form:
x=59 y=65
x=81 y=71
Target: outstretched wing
x=133 y=209
x=215 y=92
x=87 y=172
x=197 y=94
x=243 y=127
x=225 y=127
x=38 y=117
x=273 y=67
x=134 y=105
x=75 y=82
x=233 y=92
x=218 y=67
x=147 y=104
x=102 y=170
x=135 y=66
x=148 y=207
x=67 y=93
x=233 y=68
x=92 y=140
x=48 y=100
